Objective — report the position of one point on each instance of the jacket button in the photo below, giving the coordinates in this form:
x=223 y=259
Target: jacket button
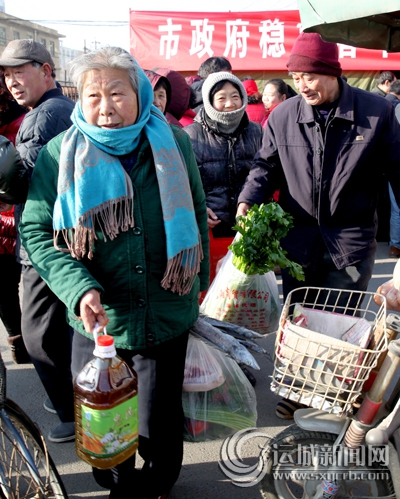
x=141 y=303
x=137 y=231
x=151 y=337
x=139 y=269
x=317 y=129
x=319 y=151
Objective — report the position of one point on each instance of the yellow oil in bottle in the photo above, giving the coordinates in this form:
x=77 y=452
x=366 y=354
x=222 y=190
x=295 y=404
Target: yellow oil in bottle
x=106 y=413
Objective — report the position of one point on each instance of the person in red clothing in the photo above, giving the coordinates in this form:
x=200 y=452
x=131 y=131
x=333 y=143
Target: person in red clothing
x=275 y=92
x=10 y=270
x=180 y=95
x=172 y=96
x=255 y=107
x=11 y=116
x=161 y=90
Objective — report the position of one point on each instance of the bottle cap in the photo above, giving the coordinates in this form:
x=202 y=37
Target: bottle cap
x=105 y=347
x=105 y=340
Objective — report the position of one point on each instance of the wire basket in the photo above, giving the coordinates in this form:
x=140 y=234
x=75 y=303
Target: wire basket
x=314 y=365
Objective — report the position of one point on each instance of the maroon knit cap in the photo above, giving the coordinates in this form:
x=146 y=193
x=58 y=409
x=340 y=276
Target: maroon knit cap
x=310 y=54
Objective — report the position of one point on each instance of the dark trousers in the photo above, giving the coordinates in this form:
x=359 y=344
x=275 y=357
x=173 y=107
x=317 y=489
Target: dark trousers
x=10 y=310
x=47 y=338
x=160 y=372
x=324 y=274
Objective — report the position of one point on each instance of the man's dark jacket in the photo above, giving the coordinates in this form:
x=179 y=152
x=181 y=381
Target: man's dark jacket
x=197 y=95
x=378 y=91
x=50 y=116
x=393 y=99
x=328 y=184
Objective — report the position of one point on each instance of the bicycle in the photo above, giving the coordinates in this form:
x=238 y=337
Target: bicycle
x=26 y=468
x=345 y=444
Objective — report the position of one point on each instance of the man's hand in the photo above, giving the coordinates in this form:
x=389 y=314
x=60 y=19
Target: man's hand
x=242 y=210
x=212 y=218
x=391 y=294
x=92 y=311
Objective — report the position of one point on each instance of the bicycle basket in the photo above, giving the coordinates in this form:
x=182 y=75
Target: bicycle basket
x=313 y=363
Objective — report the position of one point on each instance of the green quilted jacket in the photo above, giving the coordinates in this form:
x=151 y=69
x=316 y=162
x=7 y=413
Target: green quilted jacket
x=127 y=270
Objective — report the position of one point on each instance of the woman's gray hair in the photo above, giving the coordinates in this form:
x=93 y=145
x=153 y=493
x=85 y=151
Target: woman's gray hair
x=103 y=58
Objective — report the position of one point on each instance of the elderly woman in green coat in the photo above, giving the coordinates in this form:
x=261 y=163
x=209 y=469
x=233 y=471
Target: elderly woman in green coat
x=116 y=224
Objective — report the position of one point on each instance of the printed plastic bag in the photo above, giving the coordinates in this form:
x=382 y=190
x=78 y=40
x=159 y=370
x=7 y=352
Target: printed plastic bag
x=223 y=410
x=251 y=301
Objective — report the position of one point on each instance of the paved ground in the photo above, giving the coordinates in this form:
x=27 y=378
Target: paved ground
x=201 y=477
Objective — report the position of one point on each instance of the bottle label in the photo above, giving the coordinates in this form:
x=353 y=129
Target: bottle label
x=108 y=432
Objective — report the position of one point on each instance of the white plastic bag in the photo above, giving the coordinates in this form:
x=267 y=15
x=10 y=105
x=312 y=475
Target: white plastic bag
x=251 y=301
x=221 y=411
x=202 y=369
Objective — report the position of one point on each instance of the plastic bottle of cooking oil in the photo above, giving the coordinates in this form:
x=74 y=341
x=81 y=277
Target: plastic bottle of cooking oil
x=106 y=408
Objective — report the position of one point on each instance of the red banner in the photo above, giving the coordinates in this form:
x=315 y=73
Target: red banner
x=250 y=40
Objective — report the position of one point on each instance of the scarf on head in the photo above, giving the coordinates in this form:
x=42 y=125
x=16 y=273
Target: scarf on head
x=95 y=192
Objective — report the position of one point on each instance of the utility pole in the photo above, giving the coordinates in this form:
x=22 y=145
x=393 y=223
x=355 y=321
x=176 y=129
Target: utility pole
x=95 y=43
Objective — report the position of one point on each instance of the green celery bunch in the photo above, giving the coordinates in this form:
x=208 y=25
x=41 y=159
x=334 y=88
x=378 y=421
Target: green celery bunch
x=258 y=250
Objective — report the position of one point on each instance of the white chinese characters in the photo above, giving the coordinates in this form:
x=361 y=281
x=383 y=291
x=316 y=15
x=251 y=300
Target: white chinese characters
x=170 y=41
x=236 y=38
x=201 y=38
x=272 y=38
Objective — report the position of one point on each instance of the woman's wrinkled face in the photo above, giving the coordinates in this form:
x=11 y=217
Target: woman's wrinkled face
x=227 y=99
x=160 y=99
x=271 y=96
x=108 y=99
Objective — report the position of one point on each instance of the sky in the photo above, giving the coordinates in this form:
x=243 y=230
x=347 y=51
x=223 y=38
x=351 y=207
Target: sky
x=106 y=22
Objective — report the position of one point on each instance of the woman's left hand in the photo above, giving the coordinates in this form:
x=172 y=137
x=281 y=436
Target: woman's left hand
x=92 y=311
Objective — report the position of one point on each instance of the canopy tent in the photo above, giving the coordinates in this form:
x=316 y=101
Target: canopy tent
x=360 y=23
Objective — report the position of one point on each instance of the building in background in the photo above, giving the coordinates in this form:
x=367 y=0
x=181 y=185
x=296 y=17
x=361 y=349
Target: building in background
x=66 y=56
x=14 y=28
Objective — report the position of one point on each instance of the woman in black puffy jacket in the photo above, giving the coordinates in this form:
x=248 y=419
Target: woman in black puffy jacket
x=224 y=143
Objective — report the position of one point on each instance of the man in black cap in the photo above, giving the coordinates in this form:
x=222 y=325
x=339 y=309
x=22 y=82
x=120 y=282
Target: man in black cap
x=326 y=151
x=29 y=75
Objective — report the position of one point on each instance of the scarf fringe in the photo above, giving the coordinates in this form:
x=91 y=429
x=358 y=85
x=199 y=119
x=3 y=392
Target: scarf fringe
x=110 y=217
x=180 y=276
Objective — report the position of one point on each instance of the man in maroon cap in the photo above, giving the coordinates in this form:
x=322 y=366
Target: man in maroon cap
x=326 y=151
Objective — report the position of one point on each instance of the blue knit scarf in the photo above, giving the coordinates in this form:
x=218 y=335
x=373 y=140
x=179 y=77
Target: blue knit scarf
x=95 y=192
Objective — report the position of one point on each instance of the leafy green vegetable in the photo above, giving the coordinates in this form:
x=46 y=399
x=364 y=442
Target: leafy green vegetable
x=258 y=249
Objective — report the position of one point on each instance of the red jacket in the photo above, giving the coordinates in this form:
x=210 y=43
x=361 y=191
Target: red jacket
x=11 y=129
x=10 y=120
x=187 y=118
x=8 y=233
x=256 y=112
x=267 y=113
